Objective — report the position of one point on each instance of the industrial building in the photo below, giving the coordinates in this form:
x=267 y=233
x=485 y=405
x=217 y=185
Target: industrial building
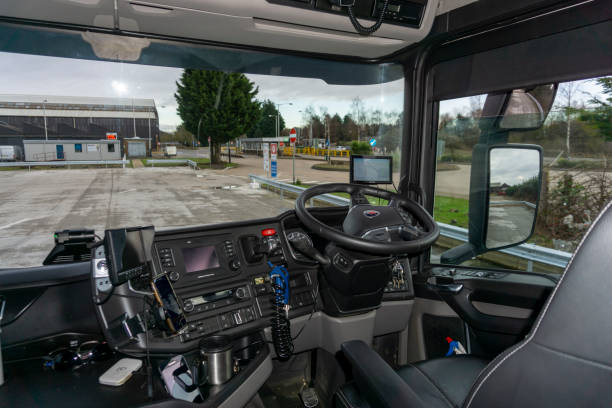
x=48 y=117
x=87 y=149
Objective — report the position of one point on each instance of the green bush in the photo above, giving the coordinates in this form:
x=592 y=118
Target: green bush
x=360 y=147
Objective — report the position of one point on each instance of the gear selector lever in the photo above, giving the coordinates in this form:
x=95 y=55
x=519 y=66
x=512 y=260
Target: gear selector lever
x=301 y=242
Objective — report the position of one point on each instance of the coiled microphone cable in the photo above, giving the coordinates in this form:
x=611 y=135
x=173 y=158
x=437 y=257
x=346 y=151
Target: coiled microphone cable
x=280 y=323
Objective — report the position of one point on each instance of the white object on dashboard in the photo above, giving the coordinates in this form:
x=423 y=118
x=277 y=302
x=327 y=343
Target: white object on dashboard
x=120 y=372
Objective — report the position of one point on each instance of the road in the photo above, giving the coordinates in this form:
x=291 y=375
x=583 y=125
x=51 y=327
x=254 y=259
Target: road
x=35 y=204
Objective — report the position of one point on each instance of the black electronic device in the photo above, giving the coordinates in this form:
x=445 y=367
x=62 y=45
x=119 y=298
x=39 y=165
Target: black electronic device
x=371 y=169
x=189 y=261
x=128 y=252
x=164 y=293
x=71 y=246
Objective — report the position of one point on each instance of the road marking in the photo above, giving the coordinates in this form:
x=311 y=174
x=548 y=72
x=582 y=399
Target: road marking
x=17 y=222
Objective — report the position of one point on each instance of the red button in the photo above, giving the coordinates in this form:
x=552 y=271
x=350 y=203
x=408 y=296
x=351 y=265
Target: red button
x=268 y=231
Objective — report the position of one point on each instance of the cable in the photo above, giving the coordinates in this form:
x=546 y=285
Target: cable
x=367 y=30
x=103 y=301
x=149 y=368
x=314 y=308
x=280 y=323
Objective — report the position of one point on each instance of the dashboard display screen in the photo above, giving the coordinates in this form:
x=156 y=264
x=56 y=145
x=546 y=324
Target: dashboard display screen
x=371 y=169
x=199 y=259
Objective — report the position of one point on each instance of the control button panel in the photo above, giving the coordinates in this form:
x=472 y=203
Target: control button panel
x=166 y=257
x=214 y=324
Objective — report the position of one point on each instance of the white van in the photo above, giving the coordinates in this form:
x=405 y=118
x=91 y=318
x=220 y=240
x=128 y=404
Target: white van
x=11 y=153
x=169 y=151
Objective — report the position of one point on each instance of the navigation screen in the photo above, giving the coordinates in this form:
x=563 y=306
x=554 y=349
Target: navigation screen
x=200 y=258
x=371 y=169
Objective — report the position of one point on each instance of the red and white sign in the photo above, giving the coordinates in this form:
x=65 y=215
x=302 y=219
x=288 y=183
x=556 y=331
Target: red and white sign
x=293 y=137
x=273 y=150
x=111 y=135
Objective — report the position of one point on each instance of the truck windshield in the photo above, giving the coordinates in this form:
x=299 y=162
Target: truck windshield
x=105 y=144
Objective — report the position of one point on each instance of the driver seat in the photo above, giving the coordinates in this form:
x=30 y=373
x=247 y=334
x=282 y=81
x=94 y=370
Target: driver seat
x=564 y=361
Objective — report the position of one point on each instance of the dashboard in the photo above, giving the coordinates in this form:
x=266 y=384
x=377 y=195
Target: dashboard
x=219 y=274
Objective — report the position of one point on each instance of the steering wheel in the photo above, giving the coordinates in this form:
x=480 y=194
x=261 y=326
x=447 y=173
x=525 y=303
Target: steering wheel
x=379 y=230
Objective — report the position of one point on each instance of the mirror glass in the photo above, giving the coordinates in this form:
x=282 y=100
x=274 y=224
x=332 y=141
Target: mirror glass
x=514 y=189
x=527 y=109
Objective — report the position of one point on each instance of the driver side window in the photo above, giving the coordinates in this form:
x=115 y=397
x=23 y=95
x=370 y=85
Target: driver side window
x=576 y=181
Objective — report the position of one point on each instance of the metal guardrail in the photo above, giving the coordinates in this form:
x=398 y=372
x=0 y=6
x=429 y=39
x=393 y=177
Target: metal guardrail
x=530 y=252
x=62 y=163
x=191 y=163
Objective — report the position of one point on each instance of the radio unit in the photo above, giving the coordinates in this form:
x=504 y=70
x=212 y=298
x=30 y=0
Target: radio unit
x=207 y=313
x=188 y=261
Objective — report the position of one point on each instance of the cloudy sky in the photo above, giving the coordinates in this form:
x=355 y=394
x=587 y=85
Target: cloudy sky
x=513 y=166
x=28 y=74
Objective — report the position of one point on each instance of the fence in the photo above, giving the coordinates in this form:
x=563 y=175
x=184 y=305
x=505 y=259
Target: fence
x=190 y=163
x=315 y=151
x=64 y=163
x=529 y=252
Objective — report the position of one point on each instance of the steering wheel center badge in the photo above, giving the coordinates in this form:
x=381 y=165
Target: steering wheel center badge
x=371 y=213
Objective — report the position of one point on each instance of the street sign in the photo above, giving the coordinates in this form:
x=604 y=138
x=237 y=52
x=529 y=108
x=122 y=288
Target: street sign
x=372 y=142
x=273 y=153
x=293 y=137
x=266 y=157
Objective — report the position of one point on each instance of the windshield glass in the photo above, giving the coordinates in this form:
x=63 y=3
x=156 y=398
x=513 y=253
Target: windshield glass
x=575 y=184
x=97 y=144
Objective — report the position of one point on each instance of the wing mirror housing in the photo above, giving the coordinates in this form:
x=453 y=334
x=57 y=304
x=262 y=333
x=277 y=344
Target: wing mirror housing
x=505 y=190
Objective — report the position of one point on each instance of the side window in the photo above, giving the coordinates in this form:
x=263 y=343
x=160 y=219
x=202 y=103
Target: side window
x=78 y=148
x=111 y=148
x=576 y=143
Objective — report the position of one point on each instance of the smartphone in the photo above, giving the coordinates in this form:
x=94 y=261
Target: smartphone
x=164 y=293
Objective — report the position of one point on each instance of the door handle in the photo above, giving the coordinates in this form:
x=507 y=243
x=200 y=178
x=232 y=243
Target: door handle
x=447 y=287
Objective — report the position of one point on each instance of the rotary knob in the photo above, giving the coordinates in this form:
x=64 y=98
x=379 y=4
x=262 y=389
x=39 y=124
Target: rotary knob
x=174 y=276
x=188 y=306
x=234 y=264
x=240 y=293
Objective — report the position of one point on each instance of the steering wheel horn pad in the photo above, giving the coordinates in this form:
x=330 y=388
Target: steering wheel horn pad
x=378 y=217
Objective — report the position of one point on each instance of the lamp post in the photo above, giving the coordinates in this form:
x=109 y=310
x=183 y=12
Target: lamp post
x=278 y=105
x=45 y=118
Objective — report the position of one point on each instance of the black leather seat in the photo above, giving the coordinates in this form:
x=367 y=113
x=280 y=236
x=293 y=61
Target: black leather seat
x=441 y=382
x=564 y=361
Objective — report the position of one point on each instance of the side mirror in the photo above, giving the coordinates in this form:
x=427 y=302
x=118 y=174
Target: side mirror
x=527 y=109
x=515 y=179
x=504 y=196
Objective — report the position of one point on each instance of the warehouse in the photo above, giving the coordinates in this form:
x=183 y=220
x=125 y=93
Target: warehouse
x=72 y=150
x=36 y=117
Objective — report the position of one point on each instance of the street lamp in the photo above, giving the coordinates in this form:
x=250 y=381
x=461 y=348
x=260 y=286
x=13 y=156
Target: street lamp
x=45 y=118
x=278 y=105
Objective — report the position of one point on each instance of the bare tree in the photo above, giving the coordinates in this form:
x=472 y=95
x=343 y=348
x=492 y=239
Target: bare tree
x=358 y=113
x=568 y=93
x=476 y=104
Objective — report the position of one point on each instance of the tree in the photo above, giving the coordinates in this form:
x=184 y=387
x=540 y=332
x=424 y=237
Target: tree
x=601 y=116
x=266 y=125
x=222 y=105
x=568 y=92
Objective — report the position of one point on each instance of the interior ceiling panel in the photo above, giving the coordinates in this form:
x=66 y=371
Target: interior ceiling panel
x=259 y=23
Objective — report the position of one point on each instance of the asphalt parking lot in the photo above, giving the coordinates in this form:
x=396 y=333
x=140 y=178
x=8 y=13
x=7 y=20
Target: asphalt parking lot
x=35 y=204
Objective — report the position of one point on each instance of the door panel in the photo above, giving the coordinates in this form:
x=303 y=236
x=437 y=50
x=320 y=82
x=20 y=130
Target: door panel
x=497 y=307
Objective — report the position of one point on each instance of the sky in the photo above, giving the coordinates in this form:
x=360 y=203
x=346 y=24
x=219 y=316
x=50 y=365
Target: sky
x=513 y=166
x=29 y=74
x=38 y=75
